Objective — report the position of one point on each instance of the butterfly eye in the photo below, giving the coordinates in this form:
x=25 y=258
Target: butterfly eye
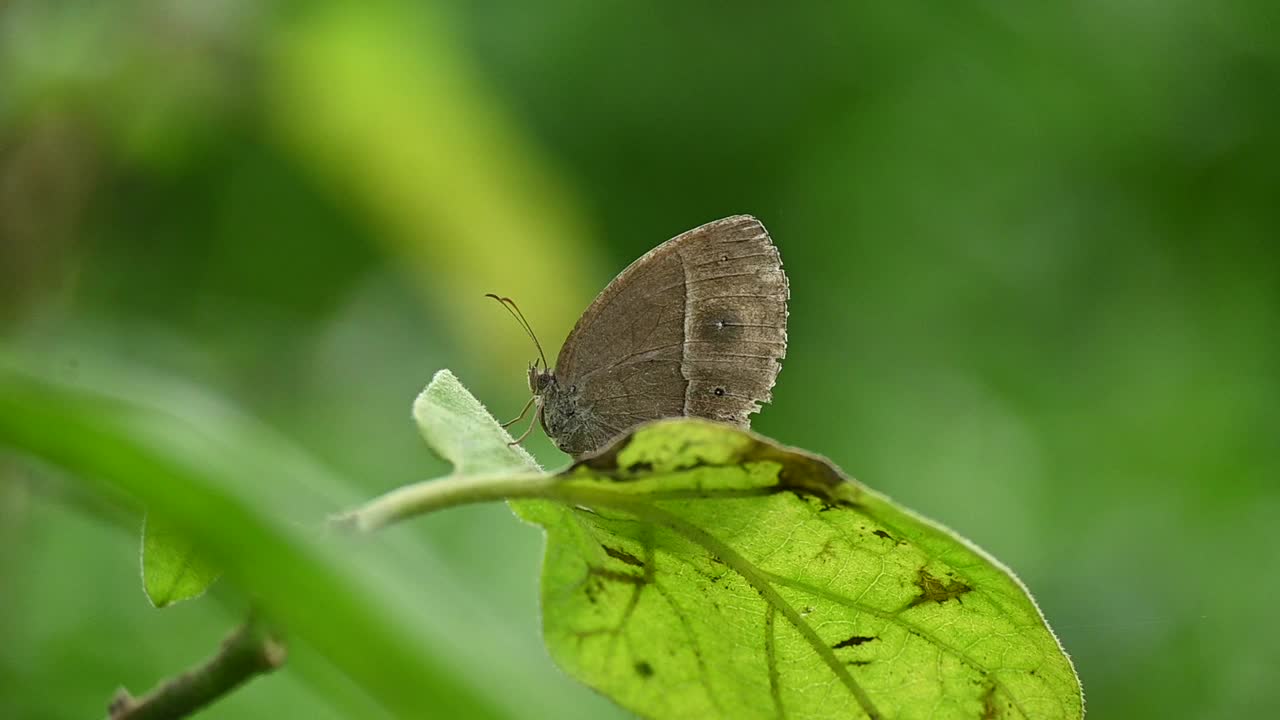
x=719 y=392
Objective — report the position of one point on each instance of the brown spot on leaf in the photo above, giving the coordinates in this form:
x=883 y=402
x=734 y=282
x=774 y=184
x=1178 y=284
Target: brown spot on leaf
x=624 y=556
x=827 y=551
x=603 y=574
x=606 y=460
x=990 y=710
x=807 y=477
x=936 y=589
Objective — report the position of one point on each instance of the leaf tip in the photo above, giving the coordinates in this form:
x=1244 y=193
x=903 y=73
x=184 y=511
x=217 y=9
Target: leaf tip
x=172 y=568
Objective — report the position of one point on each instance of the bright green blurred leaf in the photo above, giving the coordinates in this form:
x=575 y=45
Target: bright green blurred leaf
x=696 y=570
x=185 y=456
x=173 y=569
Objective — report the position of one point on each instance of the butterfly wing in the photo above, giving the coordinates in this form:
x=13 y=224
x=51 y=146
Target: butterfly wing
x=697 y=326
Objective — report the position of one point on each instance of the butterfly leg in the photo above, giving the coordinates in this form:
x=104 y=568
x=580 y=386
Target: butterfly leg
x=528 y=430
x=524 y=410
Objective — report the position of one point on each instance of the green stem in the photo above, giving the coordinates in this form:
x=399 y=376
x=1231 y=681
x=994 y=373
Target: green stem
x=431 y=495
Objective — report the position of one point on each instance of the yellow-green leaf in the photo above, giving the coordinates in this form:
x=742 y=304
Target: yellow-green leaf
x=703 y=571
x=173 y=569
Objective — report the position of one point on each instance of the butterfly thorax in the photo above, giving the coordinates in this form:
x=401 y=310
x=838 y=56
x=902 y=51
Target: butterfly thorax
x=566 y=421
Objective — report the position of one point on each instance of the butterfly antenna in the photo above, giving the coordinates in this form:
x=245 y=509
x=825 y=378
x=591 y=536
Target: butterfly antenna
x=514 y=309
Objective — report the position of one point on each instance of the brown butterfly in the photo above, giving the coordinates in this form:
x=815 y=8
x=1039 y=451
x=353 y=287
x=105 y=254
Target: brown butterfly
x=697 y=326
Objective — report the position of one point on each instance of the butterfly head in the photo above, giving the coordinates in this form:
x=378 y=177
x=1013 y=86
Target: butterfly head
x=540 y=378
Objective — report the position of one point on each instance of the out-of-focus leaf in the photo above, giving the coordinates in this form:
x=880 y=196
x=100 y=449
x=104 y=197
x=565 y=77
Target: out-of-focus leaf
x=255 y=504
x=396 y=117
x=173 y=569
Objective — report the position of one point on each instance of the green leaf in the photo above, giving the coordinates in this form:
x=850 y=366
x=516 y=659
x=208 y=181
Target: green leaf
x=173 y=569
x=703 y=571
x=697 y=570
x=254 y=503
x=488 y=466
x=460 y=430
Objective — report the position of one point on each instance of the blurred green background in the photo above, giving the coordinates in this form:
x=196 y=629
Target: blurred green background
x=1032 y=252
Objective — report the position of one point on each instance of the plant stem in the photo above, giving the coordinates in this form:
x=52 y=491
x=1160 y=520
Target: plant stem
x=247 y=652
x=430 y=495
